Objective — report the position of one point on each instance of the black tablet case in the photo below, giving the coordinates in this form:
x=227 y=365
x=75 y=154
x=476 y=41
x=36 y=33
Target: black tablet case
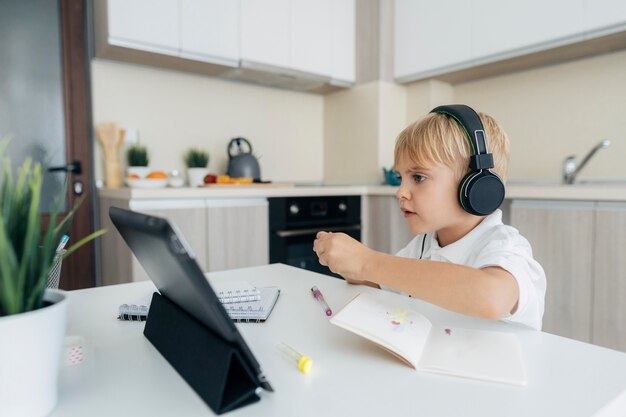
x=211 y=366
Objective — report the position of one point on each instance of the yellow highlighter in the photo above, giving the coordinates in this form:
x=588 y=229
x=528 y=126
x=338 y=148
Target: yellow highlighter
x=304 y=363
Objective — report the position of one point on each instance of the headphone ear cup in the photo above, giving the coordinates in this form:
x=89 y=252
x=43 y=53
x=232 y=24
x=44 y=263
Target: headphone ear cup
x=481 y=192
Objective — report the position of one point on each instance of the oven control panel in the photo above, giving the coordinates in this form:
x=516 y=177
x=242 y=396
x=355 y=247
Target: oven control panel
x=293 y=212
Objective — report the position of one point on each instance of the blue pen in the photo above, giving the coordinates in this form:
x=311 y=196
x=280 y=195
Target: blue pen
x=63 y=242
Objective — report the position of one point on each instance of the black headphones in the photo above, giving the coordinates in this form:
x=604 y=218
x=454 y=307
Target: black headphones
x=481 y=191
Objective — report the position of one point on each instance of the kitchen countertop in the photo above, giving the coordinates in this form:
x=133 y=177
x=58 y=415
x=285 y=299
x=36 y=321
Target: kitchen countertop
x=530 y=191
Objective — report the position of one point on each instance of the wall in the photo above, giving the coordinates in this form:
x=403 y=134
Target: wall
x=174 y=111
x=346 y=137
x=360 y=127
x=552 y=112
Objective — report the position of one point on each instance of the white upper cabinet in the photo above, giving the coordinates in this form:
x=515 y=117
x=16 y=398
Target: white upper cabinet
x=209 y=30
x=265 y=31
x=310 y=35
x=278 y=41
x=150 y=25
x=440 y=37
x=431 y=34
x=343 y=29
x=501 y=26
x=601 y=14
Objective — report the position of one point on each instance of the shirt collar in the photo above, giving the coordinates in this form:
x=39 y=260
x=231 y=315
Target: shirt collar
x=459 y=251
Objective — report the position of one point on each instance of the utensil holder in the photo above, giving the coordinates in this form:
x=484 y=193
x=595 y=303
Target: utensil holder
x=54 y=276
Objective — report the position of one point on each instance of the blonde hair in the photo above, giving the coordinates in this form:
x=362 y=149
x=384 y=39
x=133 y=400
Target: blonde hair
x=439 y=139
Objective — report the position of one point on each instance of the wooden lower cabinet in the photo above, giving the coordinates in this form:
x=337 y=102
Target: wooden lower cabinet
x=562 y=237
x=238 y=233
x=384 y=226
x=222 y=233
x=609 y=292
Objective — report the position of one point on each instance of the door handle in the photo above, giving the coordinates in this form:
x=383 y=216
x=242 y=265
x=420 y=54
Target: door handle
x=75 y=167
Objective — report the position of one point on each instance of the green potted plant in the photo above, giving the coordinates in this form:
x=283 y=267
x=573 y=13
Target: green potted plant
x=32 y=317
x=196 y=161
x=137 y=159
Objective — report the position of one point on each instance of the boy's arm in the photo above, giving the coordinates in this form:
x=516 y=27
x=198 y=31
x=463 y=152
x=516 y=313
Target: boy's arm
x=490 y=293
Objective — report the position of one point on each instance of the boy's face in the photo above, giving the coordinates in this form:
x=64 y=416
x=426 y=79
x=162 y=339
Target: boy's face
x=428 y=199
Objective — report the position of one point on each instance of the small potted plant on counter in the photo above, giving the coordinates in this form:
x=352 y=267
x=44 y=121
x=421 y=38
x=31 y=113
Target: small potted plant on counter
x=32 y=317
x=137 y=158
x=196 y=161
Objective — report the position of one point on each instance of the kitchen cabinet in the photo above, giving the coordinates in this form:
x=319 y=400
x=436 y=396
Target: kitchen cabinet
x=435 y=39
x=561 y=236
x=343 y=30
x=265 y=32
x=310 y=36
x=191 y=33
x=600 y=14
x=270 y=42
x=385 y=228
x=581 y=247
x=609 y=292
x=502 y=26
x=314 y=37
x=222 y=233
x=430 y=35
x=188 y=215
x=209 y=30
x=238 y=233
x=150 y=25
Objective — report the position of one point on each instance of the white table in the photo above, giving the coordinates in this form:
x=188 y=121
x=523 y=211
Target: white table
x=351 y=376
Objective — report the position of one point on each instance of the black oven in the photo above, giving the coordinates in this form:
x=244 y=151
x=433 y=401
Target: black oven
x=294 y=222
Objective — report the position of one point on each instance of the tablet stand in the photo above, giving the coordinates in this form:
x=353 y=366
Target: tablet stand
x=214 y=368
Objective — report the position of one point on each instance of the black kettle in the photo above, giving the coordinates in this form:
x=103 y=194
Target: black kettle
x=241 y=162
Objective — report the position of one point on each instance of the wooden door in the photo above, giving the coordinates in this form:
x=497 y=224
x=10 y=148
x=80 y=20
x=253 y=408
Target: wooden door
x=45 y=102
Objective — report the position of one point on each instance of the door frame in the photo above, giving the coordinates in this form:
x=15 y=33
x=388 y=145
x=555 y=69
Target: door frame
x=78 y=270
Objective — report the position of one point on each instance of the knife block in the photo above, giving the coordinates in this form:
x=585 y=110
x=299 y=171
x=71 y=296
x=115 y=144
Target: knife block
x=111 y=138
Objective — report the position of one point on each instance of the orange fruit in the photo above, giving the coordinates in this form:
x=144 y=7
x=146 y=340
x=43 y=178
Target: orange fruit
x=242 y=180
x=223 y=179
x=157 y=175
x=133 y=177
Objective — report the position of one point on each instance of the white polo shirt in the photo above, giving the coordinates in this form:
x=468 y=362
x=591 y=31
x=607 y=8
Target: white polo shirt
x=493 y=243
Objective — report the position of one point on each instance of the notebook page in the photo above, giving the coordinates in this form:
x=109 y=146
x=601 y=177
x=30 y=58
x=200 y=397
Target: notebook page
x=385 y=320
x=479 y=354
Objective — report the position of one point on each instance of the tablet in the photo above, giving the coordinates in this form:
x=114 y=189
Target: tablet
x=163 y=252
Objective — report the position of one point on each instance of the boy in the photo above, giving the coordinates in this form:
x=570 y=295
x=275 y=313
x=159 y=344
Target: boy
x=463 y=258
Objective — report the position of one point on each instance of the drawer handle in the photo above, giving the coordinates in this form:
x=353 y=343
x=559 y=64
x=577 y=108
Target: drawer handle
x=301 y=232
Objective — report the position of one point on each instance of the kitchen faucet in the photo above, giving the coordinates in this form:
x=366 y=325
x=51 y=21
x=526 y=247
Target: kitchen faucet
x=571 y=169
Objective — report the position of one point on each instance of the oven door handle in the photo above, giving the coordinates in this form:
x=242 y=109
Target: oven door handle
x=300 y=232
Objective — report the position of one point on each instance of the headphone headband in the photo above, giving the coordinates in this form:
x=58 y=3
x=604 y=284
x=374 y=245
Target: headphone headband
x=473 y=127
x=480 y=192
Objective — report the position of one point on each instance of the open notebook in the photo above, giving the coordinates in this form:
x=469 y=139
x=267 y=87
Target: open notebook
x=487 y=355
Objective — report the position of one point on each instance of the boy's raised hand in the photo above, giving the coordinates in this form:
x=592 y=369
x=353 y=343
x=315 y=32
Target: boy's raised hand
x=342 y=254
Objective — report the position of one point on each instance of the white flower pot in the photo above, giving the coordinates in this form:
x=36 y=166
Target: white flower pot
x=196 y=176
x=30 y=356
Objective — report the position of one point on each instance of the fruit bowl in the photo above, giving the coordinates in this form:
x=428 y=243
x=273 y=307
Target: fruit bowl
x=146 y=183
